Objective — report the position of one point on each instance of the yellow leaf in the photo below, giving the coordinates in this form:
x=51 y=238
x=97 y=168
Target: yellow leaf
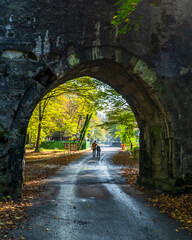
x=11 y=222
x=176 y=230
x=47 y=229
x=155 y=230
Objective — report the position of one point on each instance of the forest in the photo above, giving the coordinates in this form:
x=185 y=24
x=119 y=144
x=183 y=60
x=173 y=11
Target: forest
x=83 y=109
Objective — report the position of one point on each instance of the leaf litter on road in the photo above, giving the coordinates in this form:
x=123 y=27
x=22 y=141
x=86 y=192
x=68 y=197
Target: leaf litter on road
x=13 y=213
x=178 y=207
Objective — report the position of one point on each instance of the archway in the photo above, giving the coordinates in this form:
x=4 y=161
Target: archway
x=156 y=139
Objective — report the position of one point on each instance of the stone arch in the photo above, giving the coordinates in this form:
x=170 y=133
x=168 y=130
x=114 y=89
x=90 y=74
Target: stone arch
x=156 y=141
x=40 y=49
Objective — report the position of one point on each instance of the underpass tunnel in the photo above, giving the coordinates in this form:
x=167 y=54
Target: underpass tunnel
x=150 y=68
x=156 y=136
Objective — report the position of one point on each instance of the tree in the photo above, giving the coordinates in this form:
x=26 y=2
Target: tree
x=84 y=129
x=81 y=94
x=42 y=120
x=124 y=14
x=121 y=122
x=77 y=102
x=95 y=132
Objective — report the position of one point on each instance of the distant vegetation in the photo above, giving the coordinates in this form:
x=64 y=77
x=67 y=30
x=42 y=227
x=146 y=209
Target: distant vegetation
x=71 y=111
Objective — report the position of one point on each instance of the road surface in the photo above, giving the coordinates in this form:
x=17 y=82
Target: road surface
x=89 y=200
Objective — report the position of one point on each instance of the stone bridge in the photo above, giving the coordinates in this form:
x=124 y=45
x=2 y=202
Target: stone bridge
x=46 y=43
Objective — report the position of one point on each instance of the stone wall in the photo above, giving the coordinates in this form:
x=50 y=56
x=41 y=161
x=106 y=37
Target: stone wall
x=45 y=43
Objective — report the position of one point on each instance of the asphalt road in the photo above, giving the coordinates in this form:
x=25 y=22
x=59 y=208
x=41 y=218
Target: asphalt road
x=89 y=200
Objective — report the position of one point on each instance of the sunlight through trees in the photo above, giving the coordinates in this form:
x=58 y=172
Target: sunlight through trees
x=71 y=110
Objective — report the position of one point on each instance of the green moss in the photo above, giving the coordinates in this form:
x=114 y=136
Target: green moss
x=156 y=131
x=156 y=2
x=169 y=186
x=159 y=89
x=166 y=187
x=147 y=74
x=157 y=161
x=73 y=60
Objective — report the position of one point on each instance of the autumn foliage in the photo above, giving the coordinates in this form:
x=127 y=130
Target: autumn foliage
x=131 y=166
x=178 y=207
x=14 y=212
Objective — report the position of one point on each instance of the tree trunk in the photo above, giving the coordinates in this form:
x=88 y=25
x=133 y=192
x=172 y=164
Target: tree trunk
x=39 y=130
x=38 y=138
x=84 y=130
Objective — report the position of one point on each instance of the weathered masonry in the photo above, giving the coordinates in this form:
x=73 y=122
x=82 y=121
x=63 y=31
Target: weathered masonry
x=45 y=43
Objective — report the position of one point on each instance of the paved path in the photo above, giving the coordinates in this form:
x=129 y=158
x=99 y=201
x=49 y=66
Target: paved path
x=88 y=200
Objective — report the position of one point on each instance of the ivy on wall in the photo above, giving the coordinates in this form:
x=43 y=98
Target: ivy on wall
x=123 y=15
